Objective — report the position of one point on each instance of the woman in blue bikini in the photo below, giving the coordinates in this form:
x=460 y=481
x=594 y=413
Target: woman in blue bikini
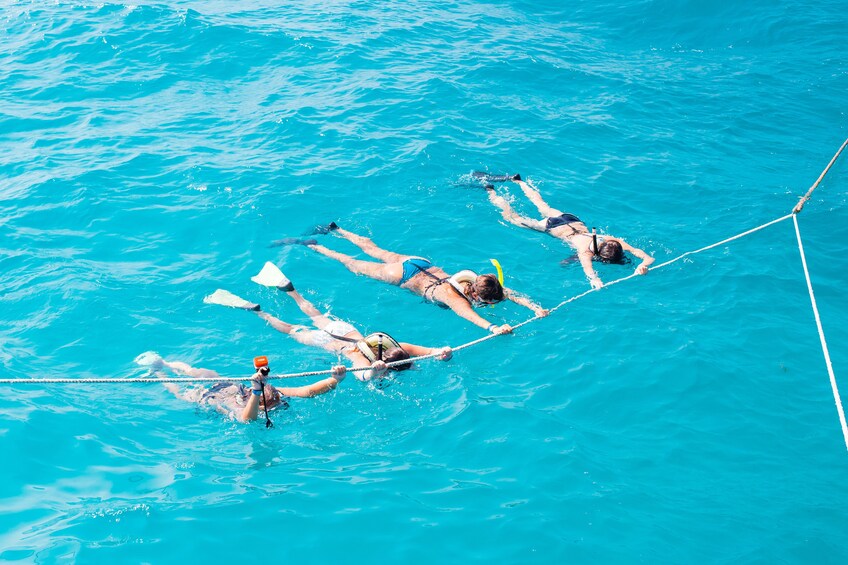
x=459 y=292
x=569 y=228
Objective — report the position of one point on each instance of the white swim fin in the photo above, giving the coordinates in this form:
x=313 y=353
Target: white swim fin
x=149 y=359
x=271 y=276
x=227 y=298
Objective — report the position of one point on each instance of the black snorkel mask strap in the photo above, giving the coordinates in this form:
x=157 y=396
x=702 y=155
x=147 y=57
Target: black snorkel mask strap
x=595 y=251
x=380 y=351
x=260 y=363
x=268 y=423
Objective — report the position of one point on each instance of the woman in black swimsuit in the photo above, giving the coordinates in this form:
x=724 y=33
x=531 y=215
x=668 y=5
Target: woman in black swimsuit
x=568 y=228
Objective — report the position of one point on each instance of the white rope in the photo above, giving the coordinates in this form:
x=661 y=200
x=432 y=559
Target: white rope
x=728 y=240
x=393 y=363
x=800 y=206
x=218 y=379
x=836 y=398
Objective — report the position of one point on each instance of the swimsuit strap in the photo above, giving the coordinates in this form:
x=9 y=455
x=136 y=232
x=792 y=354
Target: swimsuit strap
x=589 y=234
x=573 y=230
x=569 y=226
x=431 y=288
x=438 y=282
x=434 y=283
x=340 y=337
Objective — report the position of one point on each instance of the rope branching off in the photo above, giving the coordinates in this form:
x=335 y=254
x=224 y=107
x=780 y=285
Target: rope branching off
x=839 y=410
x=798 y=207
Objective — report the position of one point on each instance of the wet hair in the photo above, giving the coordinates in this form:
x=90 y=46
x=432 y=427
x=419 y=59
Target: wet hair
x=397 y=354
x=272 y=394
x=489 y=289
x=611 y=252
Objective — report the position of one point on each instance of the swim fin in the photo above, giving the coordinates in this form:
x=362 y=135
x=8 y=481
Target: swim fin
x=272 y=276
x=226 y=298
x=149 y=359
x=323 y=230
x=494 y=178
x=293 y=241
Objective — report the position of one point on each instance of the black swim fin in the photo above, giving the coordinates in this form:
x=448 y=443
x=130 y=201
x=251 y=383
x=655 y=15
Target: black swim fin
x=494 y=178
x=323 y=230
x=293 y=241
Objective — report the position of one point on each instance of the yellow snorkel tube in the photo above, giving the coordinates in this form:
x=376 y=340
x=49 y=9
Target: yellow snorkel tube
x=498 y=267
x=500 y=270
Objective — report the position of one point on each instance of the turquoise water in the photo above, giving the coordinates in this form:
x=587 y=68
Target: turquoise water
x=150 y=152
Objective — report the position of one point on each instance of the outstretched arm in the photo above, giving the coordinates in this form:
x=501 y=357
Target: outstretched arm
x=642 y=268
x=463 y=309
x=522 y=300
x=319 y=387
x=445 y=353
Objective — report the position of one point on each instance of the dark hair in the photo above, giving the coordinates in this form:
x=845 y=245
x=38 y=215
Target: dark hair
x=488 y=288
x=397 y=354
x=611 y=252
x=271 y=394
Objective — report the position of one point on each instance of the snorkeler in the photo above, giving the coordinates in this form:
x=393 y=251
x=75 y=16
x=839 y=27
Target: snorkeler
x=567 y=227
x=459 y=292
x=373 y=351
x=234 y=399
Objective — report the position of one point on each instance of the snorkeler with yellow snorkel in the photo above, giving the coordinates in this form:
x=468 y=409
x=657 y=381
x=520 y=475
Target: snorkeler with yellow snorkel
x=460 y=292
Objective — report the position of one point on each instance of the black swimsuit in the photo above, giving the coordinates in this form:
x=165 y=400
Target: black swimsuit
x=562 y=220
